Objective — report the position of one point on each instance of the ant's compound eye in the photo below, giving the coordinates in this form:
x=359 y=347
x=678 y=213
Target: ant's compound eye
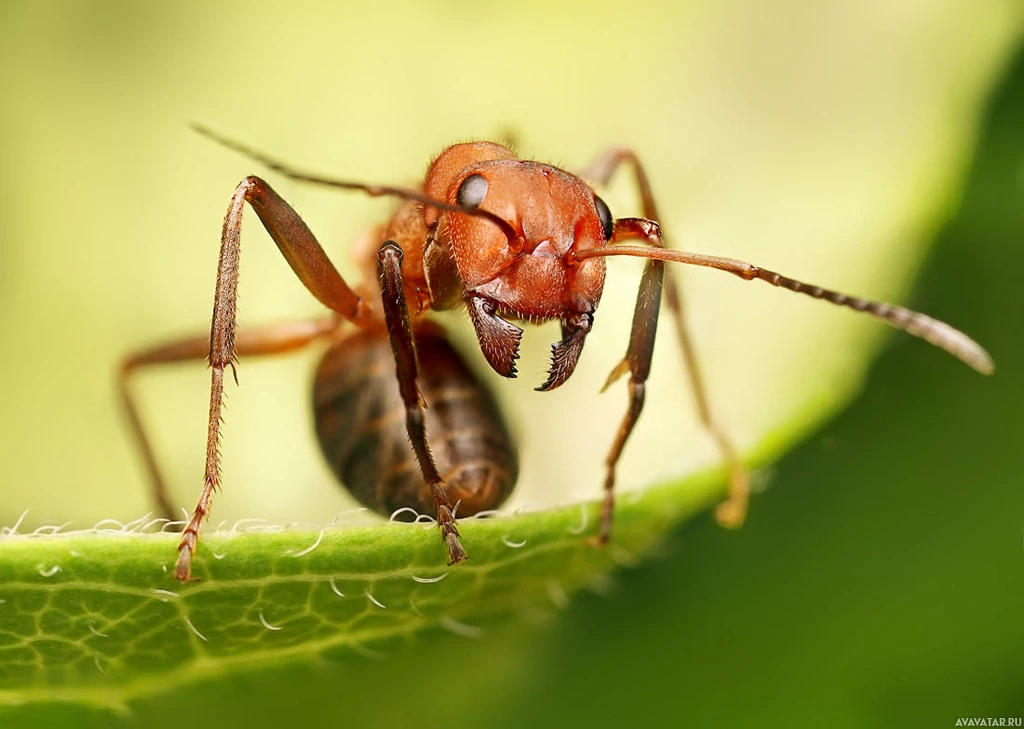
x=607 y=224
x=472 y=191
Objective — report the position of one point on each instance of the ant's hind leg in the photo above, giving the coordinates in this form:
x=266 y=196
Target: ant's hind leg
x=272 y=339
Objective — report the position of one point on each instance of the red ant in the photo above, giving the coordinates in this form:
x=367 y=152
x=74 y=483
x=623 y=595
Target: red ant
x=506 y=238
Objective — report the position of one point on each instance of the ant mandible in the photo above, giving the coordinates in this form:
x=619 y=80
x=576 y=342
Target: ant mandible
x=506 y=238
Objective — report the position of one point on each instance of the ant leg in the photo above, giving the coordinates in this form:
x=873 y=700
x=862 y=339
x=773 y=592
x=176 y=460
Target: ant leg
x=732 y=512
x=316 y=272
x=396 y=317
x=272 y=339
x=638 y=363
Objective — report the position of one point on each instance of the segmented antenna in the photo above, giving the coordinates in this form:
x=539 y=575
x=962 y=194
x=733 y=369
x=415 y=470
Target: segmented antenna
x=406 y=193
x=931 y=330
x=935 y=332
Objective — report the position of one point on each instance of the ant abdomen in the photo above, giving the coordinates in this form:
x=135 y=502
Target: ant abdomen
x=361 y=425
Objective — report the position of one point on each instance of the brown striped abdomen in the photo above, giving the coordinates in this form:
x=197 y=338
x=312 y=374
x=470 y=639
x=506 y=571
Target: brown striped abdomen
x=360 y=423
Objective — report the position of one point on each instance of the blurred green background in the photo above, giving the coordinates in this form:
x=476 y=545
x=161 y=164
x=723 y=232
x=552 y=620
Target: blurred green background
x=878 y=582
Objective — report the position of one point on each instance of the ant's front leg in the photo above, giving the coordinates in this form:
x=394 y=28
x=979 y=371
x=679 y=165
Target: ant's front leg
x=396 y=317
x=733 y=511
x=637 y=360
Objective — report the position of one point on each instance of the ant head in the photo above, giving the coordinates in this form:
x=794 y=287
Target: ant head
x=527 y=268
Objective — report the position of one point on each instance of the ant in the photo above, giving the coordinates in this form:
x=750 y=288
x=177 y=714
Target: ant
x=508 y=239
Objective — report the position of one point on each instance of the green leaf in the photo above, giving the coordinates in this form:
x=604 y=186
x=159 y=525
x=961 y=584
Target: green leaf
x=95 y=618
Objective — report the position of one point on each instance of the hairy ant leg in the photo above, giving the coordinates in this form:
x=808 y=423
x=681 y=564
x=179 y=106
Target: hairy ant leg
x=396 y=317
x=732 y=512
x=272 y=339
x=316 y=272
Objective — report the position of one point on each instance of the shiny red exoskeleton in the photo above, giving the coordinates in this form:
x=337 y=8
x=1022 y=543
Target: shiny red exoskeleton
x=512 y=241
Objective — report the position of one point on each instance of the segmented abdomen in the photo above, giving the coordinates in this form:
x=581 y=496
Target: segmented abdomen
x=360 y=423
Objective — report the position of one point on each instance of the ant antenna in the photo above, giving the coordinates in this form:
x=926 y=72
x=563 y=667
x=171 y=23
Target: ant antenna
x=933 y=331
x=406 y=193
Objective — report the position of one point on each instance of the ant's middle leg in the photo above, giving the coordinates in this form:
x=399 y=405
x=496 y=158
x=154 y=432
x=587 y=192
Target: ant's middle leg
x=316 y=272
x=396 y=317
x=732 y=512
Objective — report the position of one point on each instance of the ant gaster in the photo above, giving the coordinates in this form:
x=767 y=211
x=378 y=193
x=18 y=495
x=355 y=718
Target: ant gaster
x=507 y=238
